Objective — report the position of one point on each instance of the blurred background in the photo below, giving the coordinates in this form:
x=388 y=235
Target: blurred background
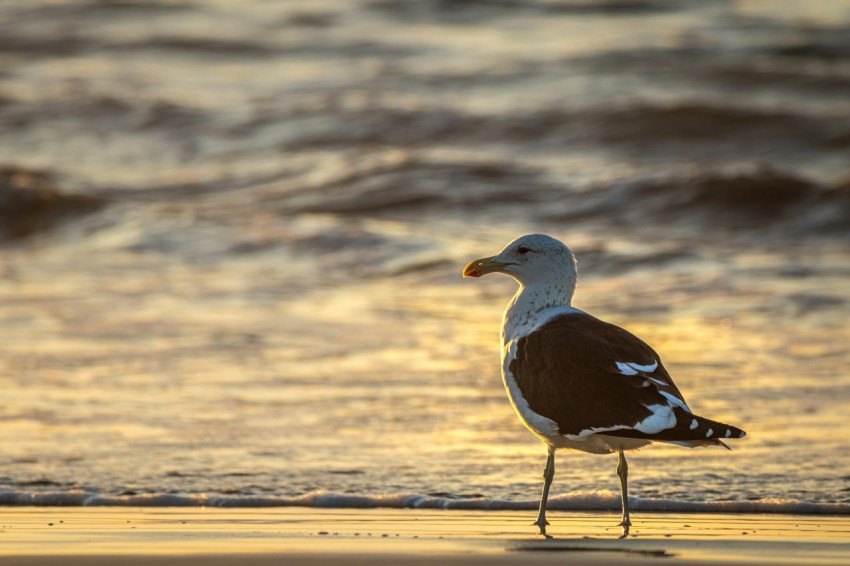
x=231 y=237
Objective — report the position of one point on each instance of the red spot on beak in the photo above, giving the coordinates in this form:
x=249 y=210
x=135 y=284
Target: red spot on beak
x=478 y=267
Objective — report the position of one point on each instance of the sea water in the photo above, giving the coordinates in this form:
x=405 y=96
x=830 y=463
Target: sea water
x=263 y=303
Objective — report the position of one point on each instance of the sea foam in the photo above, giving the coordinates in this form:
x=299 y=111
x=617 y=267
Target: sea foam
x=580 y=501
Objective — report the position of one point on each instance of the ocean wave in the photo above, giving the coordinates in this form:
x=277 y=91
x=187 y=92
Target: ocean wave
x=812 y=42
x=414 y=184
x=727 y=200
x=642 y=124
x=74 y=35
x=642 y=127
x=745 y=200
x=31 y=203
x=732 y=200
x=580 y=501
x=103 y=112
x=474 y=10
x=58 y=46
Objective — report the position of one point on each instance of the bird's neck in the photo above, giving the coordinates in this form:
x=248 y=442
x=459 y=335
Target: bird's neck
x=532 y=304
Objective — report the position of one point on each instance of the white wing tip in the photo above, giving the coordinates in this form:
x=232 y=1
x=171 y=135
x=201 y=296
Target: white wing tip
x=633 y=368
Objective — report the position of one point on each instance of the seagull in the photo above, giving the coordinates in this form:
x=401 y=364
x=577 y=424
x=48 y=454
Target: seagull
x=578 y=382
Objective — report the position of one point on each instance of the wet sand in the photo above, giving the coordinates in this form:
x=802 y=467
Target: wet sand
x=141 y=536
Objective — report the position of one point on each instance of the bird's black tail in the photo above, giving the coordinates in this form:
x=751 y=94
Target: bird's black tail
x=690 y=430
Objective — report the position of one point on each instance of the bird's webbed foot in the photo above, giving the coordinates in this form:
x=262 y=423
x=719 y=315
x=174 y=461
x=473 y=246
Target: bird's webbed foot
x=626 y=524
x=541 y=523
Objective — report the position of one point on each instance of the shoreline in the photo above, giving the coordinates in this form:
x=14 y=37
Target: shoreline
x=597 y=501
x=38 y=536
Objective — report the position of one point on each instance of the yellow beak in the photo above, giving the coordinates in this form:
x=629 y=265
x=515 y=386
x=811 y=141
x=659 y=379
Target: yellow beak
x=483 y=266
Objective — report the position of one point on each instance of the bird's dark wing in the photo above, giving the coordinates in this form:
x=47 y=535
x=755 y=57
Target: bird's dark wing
x=586 y=374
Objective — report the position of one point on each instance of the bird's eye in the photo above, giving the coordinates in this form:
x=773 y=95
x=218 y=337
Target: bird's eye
x=523 y=250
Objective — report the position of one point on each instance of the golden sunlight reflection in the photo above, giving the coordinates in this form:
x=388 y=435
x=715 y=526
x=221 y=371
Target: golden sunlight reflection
x=232 y=236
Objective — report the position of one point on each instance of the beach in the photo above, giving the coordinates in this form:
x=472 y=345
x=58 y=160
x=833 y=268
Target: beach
x=232 y=314
x=139 y=536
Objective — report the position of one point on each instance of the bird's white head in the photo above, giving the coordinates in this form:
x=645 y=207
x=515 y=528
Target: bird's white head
x=534 y=259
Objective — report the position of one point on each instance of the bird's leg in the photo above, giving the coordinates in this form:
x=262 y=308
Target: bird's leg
x=623 y=472
x=548 y=476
